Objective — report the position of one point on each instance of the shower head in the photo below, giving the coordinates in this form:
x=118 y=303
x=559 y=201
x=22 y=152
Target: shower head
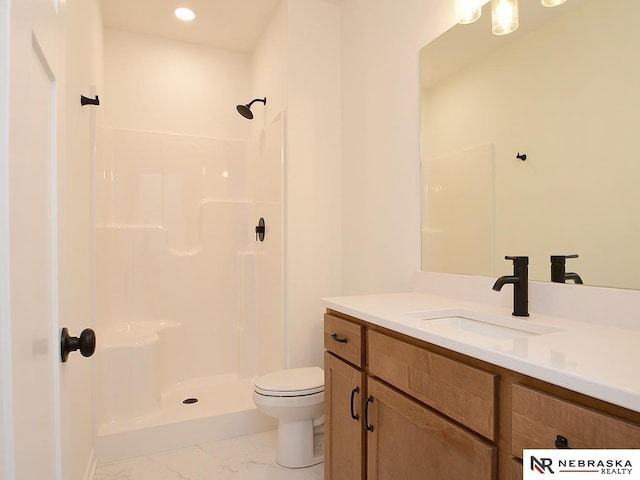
x=245 y=110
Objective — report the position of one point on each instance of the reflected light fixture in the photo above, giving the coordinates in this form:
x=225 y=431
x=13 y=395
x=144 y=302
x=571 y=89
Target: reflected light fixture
x=504 y=16
x=184 y=14
x=468 y=11
x=504 y=13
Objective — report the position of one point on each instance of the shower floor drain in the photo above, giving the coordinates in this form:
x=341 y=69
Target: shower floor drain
x=189 y=401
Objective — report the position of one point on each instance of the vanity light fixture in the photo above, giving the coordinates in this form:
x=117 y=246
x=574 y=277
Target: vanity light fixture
x=468 y=11
x=184 y=14
x=504 y=16
x=504 y=13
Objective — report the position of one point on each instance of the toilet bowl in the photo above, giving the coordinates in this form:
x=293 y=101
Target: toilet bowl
x=296 y=398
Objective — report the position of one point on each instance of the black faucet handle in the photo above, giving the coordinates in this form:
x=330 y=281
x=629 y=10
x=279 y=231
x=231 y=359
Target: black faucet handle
x=518 y=260
x=562 y=258
x=558 y=269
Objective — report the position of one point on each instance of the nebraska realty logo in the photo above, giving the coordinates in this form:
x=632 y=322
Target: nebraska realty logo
x=580 y=464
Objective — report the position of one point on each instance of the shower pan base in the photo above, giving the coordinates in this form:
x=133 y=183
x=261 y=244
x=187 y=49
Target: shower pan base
x=221 y=411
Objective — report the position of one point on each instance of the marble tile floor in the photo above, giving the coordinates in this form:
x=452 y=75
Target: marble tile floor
x=245 y=458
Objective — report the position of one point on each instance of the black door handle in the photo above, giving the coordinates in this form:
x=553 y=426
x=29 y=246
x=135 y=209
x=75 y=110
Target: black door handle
x=86 y=343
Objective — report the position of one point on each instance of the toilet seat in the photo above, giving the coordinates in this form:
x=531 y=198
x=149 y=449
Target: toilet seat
x=296 y=382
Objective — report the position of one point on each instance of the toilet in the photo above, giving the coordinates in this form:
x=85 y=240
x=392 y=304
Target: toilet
x=296 y=398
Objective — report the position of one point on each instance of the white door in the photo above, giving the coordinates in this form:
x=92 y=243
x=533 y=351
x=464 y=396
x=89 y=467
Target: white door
x=32 y=58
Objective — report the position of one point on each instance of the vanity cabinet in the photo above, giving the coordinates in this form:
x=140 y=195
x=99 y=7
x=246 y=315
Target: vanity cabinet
x=384 y=416
x=424 y=411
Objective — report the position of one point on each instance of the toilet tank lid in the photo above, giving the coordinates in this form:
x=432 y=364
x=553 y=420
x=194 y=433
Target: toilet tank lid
x=292 y=380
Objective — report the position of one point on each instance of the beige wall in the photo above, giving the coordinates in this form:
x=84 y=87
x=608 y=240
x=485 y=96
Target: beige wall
x=380 y=138
x=75 y=177
x=353 y=156
x=313 y=174
x=159 y=85
x=6 y=430
x=297 y=67
x=269 y=65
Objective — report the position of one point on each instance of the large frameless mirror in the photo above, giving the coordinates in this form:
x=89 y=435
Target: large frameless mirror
x=564 y=91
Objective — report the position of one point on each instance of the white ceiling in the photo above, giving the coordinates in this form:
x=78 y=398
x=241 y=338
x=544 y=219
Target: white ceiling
x=230 y=24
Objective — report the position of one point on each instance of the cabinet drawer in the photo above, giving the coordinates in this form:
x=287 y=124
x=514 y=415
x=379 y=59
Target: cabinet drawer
x=344 y=338
x=538 y=418
x=464 y=393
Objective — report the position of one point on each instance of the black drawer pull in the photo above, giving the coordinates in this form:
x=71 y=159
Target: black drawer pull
x=339 y=339
x=562 y=442
x=366 y=414
x=354 y=415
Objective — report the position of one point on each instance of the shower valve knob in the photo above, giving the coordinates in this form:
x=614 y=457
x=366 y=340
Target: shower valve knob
x=260 y=230
x=86 y=343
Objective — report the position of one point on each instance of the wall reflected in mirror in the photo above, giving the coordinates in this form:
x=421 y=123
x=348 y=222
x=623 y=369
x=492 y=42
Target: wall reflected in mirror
x=564 y=89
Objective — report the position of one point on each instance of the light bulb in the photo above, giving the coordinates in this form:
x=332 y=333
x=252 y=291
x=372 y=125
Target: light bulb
x=184 y=14
x=504 y=16
x=552 y=3
x=468 y=11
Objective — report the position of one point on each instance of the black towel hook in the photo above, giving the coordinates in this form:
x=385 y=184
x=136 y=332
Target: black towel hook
x=522 y=157
x=89 y=101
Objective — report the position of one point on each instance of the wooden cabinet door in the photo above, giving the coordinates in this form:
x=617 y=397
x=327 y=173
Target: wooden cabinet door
x=407 y=440
x=344 y=437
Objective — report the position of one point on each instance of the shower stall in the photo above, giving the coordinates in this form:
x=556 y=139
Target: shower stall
x=189 y=301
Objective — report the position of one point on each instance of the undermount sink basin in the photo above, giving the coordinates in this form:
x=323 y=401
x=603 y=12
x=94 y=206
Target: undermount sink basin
x=487 y=325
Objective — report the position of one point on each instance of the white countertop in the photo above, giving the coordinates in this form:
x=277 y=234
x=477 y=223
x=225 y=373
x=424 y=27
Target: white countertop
x=597 y=360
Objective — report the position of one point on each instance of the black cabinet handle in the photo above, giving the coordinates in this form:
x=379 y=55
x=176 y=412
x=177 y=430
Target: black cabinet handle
x=366 y=414
x=339 y=339
x=354 y=415
x=562 y=442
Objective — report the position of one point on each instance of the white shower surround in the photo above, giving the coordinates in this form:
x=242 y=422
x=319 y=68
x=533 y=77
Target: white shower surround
x=183 y=289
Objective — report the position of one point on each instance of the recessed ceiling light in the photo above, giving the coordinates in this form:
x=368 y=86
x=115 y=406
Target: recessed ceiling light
x=185 y=14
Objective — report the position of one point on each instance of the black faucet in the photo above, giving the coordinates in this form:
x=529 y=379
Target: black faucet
x=520 y=280
x=558 y=272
